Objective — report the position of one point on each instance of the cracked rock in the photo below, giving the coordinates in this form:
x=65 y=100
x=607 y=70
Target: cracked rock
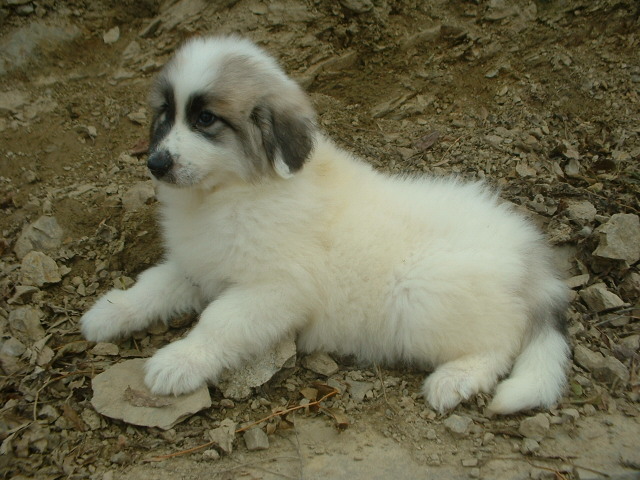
x=256 y=439
x=45 y=234
x=458 y=425
x=38 y=269
x=141 y=194
x=620 y=238
x=321 y=363
x=224 y=435
x=114 y=389
x=238 y=383
x=599 y=298
x=603 y=368
x=535 y=427
x=24 y=323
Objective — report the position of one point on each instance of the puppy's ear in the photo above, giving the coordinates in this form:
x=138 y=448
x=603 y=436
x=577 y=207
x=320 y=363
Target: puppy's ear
x=287 y=136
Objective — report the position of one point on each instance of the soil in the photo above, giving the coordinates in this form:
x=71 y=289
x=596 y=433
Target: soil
x=541 y=99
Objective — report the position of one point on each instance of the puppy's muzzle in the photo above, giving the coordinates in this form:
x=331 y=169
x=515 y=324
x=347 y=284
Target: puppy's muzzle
x=159 y=163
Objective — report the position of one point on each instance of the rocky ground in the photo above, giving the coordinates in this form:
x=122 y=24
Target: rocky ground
x=538 y=98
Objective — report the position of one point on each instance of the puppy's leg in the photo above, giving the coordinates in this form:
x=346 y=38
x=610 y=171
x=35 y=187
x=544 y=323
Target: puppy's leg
x=159 y=293
x=459 y=379
x=241 y=323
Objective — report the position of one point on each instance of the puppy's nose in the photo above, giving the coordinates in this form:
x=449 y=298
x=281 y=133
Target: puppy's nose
x=160 y=163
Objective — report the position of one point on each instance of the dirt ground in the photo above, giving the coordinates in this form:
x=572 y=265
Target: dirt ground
x=540 y=98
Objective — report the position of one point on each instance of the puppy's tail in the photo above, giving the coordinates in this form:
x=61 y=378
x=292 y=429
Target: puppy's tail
x=539 y=373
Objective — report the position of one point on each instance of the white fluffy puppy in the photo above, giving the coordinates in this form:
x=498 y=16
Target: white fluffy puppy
x=271 y=229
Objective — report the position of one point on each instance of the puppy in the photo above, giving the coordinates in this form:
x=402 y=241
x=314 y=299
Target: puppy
x=270 y=229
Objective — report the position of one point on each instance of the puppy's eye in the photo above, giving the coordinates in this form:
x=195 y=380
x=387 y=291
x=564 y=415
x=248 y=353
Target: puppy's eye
x=206 y=119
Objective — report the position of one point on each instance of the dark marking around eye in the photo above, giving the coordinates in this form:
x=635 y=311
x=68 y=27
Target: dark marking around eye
x=202 y=118
x=164 y=115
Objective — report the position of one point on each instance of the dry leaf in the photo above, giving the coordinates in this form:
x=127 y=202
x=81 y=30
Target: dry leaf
x=71 y=415
x=140 y=398
x=341 y=419
x=425 y=142
x=310 y=394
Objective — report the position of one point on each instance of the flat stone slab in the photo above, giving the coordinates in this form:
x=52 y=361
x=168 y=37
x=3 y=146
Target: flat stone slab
x=120 y=393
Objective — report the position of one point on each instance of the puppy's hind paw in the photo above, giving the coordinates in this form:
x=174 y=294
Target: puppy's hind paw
x=177 y=369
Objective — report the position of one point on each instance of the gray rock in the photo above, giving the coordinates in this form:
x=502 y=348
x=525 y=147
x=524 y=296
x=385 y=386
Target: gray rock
x=256 y=439
x=582 y=211
x=24 y=324
x=111 y=36
x=12 y=101
x=630 y=285
x=357 y=6
x=106 y=349
x=224 y=435
x=320 y=362
x=587 y=358
x=111 y=398
x=358 y=390
x=138 y=196
x=12 y=347
x=238 y=383
x=535 y=427
x=458 y=425
x=606 y=369
x=578 y=281
x=598 y=298
x=45 y=234
x=620 y=238
x=132 y=52
x=529 y=446
x=38 y=269
x=21 y=46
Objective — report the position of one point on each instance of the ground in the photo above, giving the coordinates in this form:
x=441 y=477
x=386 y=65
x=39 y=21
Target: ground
x=540 y=99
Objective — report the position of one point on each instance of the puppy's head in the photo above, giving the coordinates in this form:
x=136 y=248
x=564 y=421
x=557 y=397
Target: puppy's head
x=224 y=111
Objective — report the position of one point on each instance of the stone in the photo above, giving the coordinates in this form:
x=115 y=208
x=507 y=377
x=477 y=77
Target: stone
x=12 y=101
x=581 y=211
x=131 y=52
x=111 y=398
x=606 y=369
x=469 y=462
x=139 y=195
x=321 y=363
x=111 y=36
x=38 y=269
x=45 y=234
x=587 y=358
x=630 y=285
x=224 y=435
x=358 y=390
x=598 y=298
x=24 y=324
x=107 y=349
x=139 y=117
x=619 y=238
x=578 y=281
x=12 y=347
x=238 y=383
x=570 y=415
x=22 y=45
x=458 y=425
x=256 y=439
x=529 y=446
x=357 y=6
x=535 y=427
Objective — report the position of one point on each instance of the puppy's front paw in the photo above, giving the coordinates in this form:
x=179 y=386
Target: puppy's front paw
x=108 y=319
x=178 y=368
x=447 y=387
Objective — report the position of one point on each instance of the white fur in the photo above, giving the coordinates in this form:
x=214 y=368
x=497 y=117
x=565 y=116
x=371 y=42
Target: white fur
x=390 y=269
